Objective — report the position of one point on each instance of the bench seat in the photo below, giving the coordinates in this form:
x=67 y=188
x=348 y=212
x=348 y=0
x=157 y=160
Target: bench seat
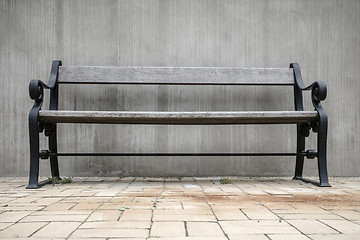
x=196 y=118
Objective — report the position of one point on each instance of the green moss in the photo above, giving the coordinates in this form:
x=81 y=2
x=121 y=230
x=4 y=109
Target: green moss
x=225 y=181
x=66 y=180
x=55 y=180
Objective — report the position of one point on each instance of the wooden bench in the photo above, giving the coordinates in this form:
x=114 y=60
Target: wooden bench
x=46 y=120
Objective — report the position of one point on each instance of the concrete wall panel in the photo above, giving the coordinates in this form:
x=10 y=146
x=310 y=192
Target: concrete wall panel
x=323 y=36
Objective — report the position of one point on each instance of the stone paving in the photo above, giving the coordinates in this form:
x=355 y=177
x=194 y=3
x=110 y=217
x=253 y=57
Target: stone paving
x=180 y=208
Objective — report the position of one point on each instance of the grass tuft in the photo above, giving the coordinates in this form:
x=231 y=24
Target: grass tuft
x=225 y=181
x=66 y=180
x=55 y=180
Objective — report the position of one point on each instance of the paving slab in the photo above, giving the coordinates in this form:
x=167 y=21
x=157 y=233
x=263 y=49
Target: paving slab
x=138 y=215
x=110 y=233
x=168 y=229
x=13 y=216
x=312 y=227
x=54 y=218
x=247 y=237
x=204 y=229
x=343 y=226
x=5 y=225
x=259 y=213
x=105 y=215
x=60 y=206
x=21 y=229
x=180 y=209
x=248 y=227
x=229 y=214
x=117 y=224
x=348 y=214
x=179 y=217
x=57 y=230
x=187 y=238
x=335 y=237
x=288 y=237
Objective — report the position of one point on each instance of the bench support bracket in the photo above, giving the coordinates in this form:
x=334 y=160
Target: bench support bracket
x=300 y=148
x=318 y=94
x=34 y=130
x=36 y=90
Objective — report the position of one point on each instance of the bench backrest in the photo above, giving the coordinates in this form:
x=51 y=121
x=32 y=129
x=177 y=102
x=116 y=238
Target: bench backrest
x=176 y=75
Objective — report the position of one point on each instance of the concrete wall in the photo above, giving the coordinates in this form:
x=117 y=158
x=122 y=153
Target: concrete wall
x=323 y=36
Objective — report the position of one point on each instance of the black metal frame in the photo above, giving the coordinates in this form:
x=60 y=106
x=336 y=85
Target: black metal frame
x=36 y=89
x=318 y=94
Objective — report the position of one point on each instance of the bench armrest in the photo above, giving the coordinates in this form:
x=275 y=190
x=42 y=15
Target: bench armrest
x=36 y=87
x=318 y=88
x=318 y=94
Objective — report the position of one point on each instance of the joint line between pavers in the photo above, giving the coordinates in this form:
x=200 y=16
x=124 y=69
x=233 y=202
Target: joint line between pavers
x=39 y=229
x=339 y=215
x=80 y=224
x=85 y=220
x=247 y=194
x=72 y=196
x=18 y=219
x=281 y=219
x=244 y=214
x=62 y=198
x=217 y=220
x=333 y=213
x=329 y=226
x=155 y=206
x=132 y=199
x=186 y=230
x=266 y=235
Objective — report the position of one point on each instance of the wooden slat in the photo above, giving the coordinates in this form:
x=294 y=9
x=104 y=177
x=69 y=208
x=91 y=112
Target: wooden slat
x=196 y=118
x=176 y=75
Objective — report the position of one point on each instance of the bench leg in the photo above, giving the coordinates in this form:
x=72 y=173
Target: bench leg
x=34 y=131
x=302 y=133
x=54 y=165
x=322 y=141
x=299 y=149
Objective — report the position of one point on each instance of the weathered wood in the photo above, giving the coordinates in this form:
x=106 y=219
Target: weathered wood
x=195 y=118
x=176 y=75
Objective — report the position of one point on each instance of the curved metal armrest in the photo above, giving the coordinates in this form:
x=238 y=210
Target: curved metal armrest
x=318 y=88
x=36 y=87
x=36 y=90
